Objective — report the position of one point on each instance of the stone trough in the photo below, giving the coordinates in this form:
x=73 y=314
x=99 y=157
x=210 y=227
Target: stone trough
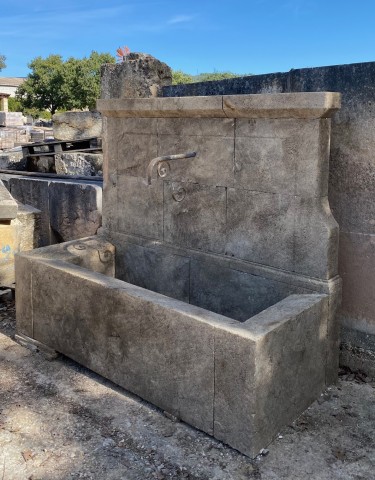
x=212 y=289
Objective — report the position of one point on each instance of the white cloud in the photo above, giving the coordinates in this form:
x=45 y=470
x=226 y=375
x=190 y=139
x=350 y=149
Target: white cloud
x=180 y=19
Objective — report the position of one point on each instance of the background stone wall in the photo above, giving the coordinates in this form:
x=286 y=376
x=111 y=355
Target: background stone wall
x=351 y=186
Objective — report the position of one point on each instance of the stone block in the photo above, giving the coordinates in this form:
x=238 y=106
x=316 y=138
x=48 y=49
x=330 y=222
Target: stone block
x=292 y=334
x=195 y=216
x=316 y=239
x=156 y=271
x=134 y=153
x=8 y=206
x=260 y=228
x=11 y=119
x=213 y=164
x=141 y=75
x=77 y=125
x=35 y=192
x=212 y=127
x=87 y=164
x=282 y=105
x=283 y=156
x=8 y=247
x=75 y=209
x=24 y=297
x=360 y=217
x=357 y=269
x=190 y=107
x=133 y=345
x=283 y=349
x=139 y=207
x=12 y=161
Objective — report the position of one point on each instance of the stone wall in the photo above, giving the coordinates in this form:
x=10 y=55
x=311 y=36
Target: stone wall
x=69 y=209
x=351 y=186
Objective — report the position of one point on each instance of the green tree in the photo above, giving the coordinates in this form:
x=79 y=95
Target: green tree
x=82 y=79
x=14 y=105
x=209 y=77
x=179 y=77
x=56 y=84
x=2 y=62
x=44 y=88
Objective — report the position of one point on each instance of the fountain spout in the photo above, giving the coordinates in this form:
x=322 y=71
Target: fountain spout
x=165 y=158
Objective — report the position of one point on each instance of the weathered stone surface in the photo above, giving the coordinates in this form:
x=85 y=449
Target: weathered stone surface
x=8 y=206
x=207 y=107
x=283 y=156
x=8 y=247
x=357 y=351
x=261 y=227
x=75 y=209
x=17 y=235
x=87 y=164
x=226 y=378
x=352 y=179
x=141 y=75
x=77 y=125
x=357 y=268
x=276 y=340
x=132 y=347
x=308 y=105
x=241 y=382
x=28 y=228
x=148 y=268
x=139 y=207
x=12 y=161
x=292 y=334
x=35 y=192
x=316 y=239
x=11 y=119
x=213 y=164
x=232 y=293
x=24 y=301
x=285 y=105
x=195 y=216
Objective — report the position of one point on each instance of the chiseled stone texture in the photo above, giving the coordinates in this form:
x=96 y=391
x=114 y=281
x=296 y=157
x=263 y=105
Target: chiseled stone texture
x=77 y=125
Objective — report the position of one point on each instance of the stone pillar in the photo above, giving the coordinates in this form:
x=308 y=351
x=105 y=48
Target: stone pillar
x=139 y=76
x=4 y=104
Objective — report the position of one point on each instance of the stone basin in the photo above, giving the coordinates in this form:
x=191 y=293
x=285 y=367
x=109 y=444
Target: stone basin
x=216 y=305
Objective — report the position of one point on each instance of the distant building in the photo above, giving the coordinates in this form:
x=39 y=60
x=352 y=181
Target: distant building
x=9 y=85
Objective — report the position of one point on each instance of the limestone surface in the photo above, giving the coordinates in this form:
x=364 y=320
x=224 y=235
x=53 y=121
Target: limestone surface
x=77 y=125
x=141 y=75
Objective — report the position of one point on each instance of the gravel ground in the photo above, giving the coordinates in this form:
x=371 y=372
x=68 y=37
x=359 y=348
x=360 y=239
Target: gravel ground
x=59 y=421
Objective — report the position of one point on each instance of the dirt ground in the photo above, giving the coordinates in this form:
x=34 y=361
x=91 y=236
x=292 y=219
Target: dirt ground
x=59 y=421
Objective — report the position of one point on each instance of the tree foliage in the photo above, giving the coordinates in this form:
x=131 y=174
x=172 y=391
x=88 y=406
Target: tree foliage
x=179 y=77
x=14 y=105
x=2 y=62
x=57 y=84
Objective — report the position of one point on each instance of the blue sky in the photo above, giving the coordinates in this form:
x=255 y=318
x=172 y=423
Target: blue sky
x=242 y=36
